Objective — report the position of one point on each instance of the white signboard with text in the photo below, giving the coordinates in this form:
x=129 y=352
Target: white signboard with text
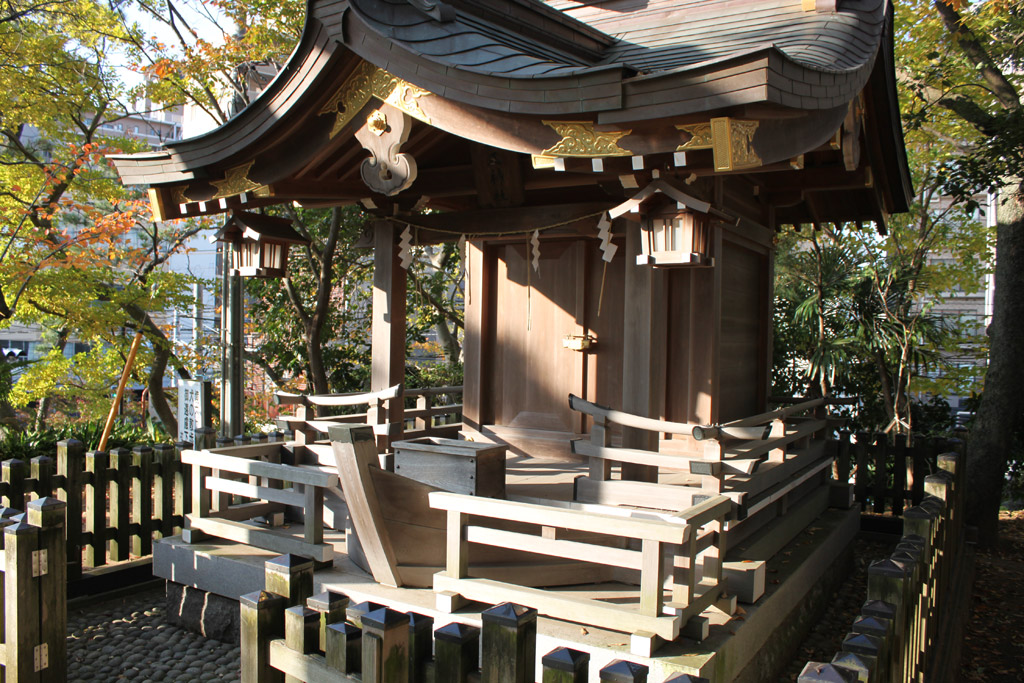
x=193 y=408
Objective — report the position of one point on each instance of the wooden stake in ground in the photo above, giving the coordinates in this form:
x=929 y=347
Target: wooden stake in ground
x=120 y=391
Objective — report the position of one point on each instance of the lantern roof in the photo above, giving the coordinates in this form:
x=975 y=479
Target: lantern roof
x=259 y=228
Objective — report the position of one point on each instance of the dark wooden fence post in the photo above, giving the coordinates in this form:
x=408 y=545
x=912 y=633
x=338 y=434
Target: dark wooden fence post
x=421 y=645
x=563 y=665
x=163 y=489
x=120 y=510
x=14 y=473
x=331 y=608
x=509 y=644
x=385 y=647
x=291 y=577
x=96 y=463
x=815 y=672
x=621 y=671
x=71 y=471
x=301 y=632
x=261 y=620
x=41 y=470
x=344 y=647
x=21 y=602
x=888 y=582
x=182 y=486
x=49 y=516
x=142 y=501
x=456 y=652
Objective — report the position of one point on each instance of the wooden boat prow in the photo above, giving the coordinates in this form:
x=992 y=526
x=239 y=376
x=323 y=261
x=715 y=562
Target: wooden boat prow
x=401 y=540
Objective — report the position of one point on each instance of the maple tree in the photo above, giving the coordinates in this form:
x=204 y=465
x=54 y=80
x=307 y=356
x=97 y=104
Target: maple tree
x=69 y=231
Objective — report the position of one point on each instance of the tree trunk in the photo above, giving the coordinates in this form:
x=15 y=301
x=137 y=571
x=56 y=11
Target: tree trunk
x=998 y=424
x=317 y=371
x=155 y=384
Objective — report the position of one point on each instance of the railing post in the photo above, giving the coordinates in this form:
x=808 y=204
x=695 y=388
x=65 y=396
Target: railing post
x=142 y=501
x=120 y=512
x=71 y=470
x=385 y=647
x=509 y=644
x=261 y=619
x=49 y=515
x=563 y=665
x=291 y=577
x=456 y=653
x=21 y=602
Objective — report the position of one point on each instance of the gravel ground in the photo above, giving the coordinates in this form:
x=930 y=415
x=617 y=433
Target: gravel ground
x=128 y=639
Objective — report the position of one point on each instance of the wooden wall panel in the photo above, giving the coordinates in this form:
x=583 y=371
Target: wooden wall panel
x=741 y=370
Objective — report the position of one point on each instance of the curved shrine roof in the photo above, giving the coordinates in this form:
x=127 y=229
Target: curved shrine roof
x=557 y=78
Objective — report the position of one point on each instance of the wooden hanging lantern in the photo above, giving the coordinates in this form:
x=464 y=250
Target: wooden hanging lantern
x=261 y=243
x=679 y=237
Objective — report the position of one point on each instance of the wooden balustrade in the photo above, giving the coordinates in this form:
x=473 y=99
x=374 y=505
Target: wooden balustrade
x=434 y=411
x=233 y=486
x=33 y=596
x=909 y=627
x=286 y=631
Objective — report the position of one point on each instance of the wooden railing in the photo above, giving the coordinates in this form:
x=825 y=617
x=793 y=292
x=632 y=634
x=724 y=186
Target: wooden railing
x=34 y=593
x=677 y=541
x=433 y=411
x=117 y=502
x=233 y=486
x=757 y=462
x=285 y=629
x=909 y=627
x=436 y=411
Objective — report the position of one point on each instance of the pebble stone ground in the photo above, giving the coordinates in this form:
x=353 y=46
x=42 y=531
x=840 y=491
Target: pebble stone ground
x=128 y=639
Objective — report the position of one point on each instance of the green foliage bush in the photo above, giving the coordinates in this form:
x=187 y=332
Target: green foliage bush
x=25 y=445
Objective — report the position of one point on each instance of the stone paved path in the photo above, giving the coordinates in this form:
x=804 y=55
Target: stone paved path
x=127 y=639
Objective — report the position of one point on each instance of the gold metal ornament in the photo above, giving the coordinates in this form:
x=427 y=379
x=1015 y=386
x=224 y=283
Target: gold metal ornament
x=579 y=139
x=730 y=140
x=236 y=181
x=368 y=81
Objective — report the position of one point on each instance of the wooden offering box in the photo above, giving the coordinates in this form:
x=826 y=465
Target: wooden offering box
x=453 y=465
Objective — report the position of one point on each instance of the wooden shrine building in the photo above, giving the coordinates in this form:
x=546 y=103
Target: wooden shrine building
x=616 y=171
x=724 y=120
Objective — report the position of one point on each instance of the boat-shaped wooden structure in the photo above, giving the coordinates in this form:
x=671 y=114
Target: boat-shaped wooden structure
x=616 y=171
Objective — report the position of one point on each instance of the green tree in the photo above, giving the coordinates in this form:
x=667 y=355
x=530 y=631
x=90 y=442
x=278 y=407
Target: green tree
x=961 y=66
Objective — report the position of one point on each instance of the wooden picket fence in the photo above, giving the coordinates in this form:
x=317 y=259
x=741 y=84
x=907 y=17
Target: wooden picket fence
x=288 y=633
x=909 y=627
x=123 y=499
x=33 y=593
x=887 y=474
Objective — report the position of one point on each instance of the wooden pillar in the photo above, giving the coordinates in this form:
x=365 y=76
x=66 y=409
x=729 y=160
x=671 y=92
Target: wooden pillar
x=643 y=351
x=232 y=362
x=388 y=327
x=476 y=370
